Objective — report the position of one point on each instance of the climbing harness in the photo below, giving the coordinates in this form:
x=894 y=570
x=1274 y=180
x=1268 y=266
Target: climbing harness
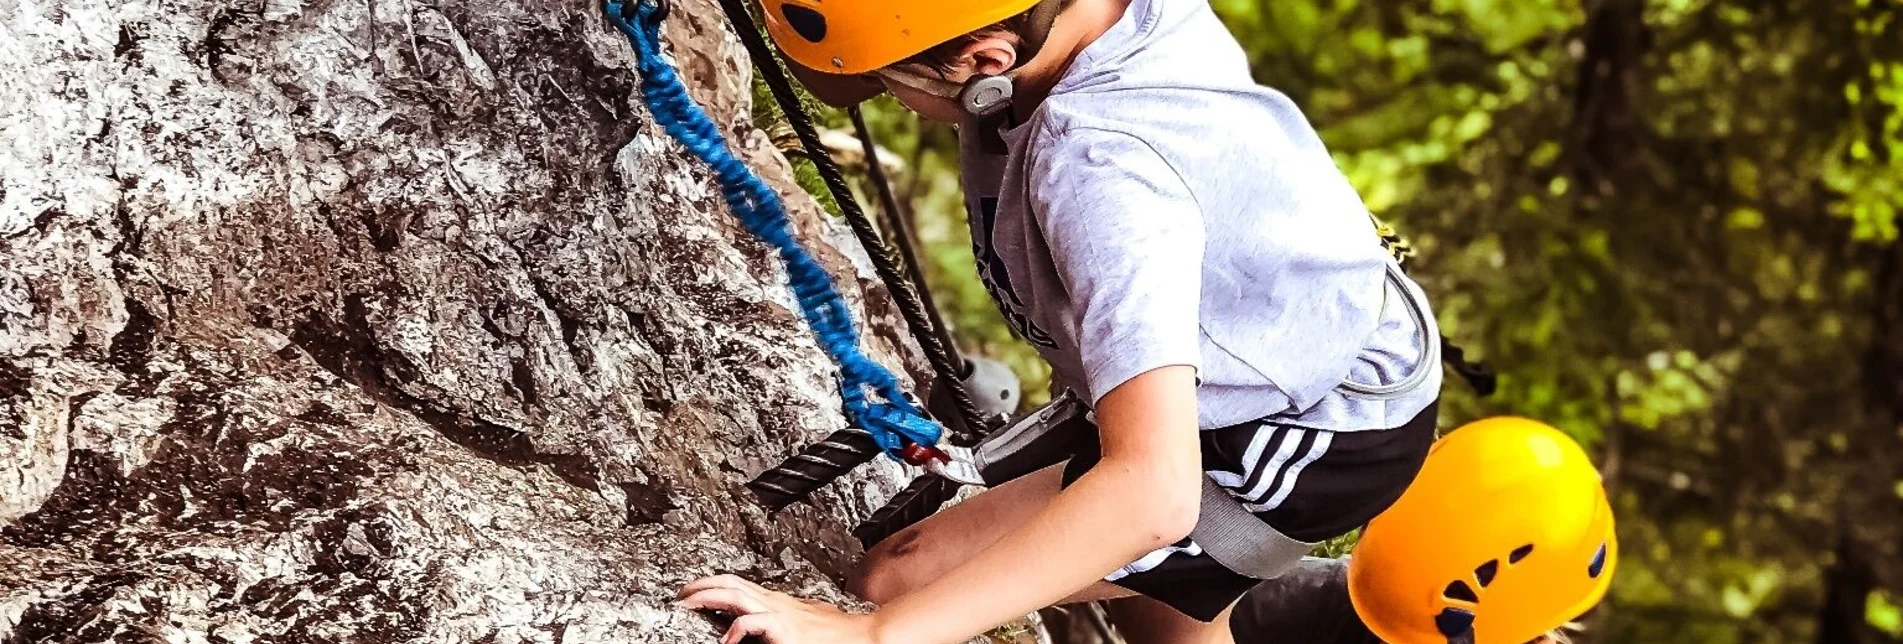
x=1227 y=532
x=1430 y=360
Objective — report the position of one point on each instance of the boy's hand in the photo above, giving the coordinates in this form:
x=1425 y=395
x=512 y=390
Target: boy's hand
x=776 y=617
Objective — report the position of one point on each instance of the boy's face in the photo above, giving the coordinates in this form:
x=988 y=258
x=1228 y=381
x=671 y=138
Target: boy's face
x=932 y=93
x=928 y=104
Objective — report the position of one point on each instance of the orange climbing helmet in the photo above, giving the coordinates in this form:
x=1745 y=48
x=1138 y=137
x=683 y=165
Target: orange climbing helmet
x=859 y=36
x=1505 y=535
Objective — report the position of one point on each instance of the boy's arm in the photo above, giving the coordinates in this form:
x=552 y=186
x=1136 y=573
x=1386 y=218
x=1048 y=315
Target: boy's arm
x=1141 y=496
x=1127 y=240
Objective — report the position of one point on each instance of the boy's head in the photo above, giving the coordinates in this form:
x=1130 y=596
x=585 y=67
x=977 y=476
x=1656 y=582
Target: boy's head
x=942 y=59
x=1505 y=536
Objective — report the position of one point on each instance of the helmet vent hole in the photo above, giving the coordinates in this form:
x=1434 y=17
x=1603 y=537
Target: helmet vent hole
x=1598 y=565
x=1460 y=591
x=1520 y=553
x=809 y=24
x=1486 y=571
x=1455 y=623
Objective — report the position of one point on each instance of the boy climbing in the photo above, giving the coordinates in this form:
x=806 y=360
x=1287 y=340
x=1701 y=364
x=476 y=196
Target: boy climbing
x=1178 y=244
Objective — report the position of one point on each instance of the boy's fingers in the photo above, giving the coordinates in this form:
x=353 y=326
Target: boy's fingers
x=718 y=581
x=731 y=600
x=760 y=624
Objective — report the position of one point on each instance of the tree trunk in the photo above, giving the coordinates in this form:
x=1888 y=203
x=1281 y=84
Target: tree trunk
x=1848 y=583
x=389 y=320
x=1870 y=551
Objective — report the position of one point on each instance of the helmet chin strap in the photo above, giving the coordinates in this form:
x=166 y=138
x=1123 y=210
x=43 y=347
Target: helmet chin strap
x=986 y=97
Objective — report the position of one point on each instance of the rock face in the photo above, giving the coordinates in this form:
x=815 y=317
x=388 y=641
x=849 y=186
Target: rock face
x=389 y=321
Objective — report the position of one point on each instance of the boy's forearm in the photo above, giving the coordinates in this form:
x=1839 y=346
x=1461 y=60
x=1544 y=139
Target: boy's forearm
x=1141 y=495
x=1085 y=533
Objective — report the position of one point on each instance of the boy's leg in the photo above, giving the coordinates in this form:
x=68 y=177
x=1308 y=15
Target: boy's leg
x=1142 y=620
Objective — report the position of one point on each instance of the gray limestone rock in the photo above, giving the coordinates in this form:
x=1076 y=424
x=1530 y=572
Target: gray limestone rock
x=390 y=321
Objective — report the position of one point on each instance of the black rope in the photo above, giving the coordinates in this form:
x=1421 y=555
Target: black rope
x=899 y=226
x=947 y=367
x=815 y=466
x=918 y=501
x=896 y=224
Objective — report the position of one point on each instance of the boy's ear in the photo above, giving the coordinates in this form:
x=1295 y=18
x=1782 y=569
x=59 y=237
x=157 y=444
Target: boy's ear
x=991 y=54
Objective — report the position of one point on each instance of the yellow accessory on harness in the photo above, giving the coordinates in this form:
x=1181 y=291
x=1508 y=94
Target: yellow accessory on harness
x=1506 y=535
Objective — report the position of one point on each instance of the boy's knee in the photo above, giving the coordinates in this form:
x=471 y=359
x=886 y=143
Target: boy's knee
x=891 y=569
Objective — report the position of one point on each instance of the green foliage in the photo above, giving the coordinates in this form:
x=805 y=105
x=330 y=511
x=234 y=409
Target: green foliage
x=767 y=116
x=1664 y=222
x=1337 y=547
x=1671 y=257
x=1884 y=614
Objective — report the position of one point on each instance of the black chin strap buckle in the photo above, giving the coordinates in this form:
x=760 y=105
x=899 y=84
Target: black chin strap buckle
x=987 y=96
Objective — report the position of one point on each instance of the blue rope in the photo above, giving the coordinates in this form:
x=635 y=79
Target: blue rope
x=891 y=421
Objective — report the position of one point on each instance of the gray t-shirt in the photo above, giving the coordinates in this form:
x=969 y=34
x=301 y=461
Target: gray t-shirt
x=1162 y=209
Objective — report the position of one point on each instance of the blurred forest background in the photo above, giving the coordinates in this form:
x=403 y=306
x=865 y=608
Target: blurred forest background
x=1671 y=225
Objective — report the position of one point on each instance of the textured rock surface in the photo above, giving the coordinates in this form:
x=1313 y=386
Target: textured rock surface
x=386 y=320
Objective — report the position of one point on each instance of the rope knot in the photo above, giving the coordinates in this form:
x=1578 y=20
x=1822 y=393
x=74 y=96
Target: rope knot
x=896 y=425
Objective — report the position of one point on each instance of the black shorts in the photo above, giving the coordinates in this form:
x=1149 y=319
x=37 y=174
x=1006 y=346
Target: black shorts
x=1310 y=485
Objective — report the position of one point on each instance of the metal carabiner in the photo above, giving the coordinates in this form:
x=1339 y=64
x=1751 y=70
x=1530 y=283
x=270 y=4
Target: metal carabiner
x=958 y=468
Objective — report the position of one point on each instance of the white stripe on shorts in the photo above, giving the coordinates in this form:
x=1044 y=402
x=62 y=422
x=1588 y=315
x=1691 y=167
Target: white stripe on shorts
x=1156 y=558
x=1250 y=462
x=1322 y=439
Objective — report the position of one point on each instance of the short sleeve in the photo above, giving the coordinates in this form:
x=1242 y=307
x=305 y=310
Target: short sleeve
x=1126 y=236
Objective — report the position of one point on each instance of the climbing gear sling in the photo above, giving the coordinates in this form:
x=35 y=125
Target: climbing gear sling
x=892 y=422
x=844 y=450
x=939 y=350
